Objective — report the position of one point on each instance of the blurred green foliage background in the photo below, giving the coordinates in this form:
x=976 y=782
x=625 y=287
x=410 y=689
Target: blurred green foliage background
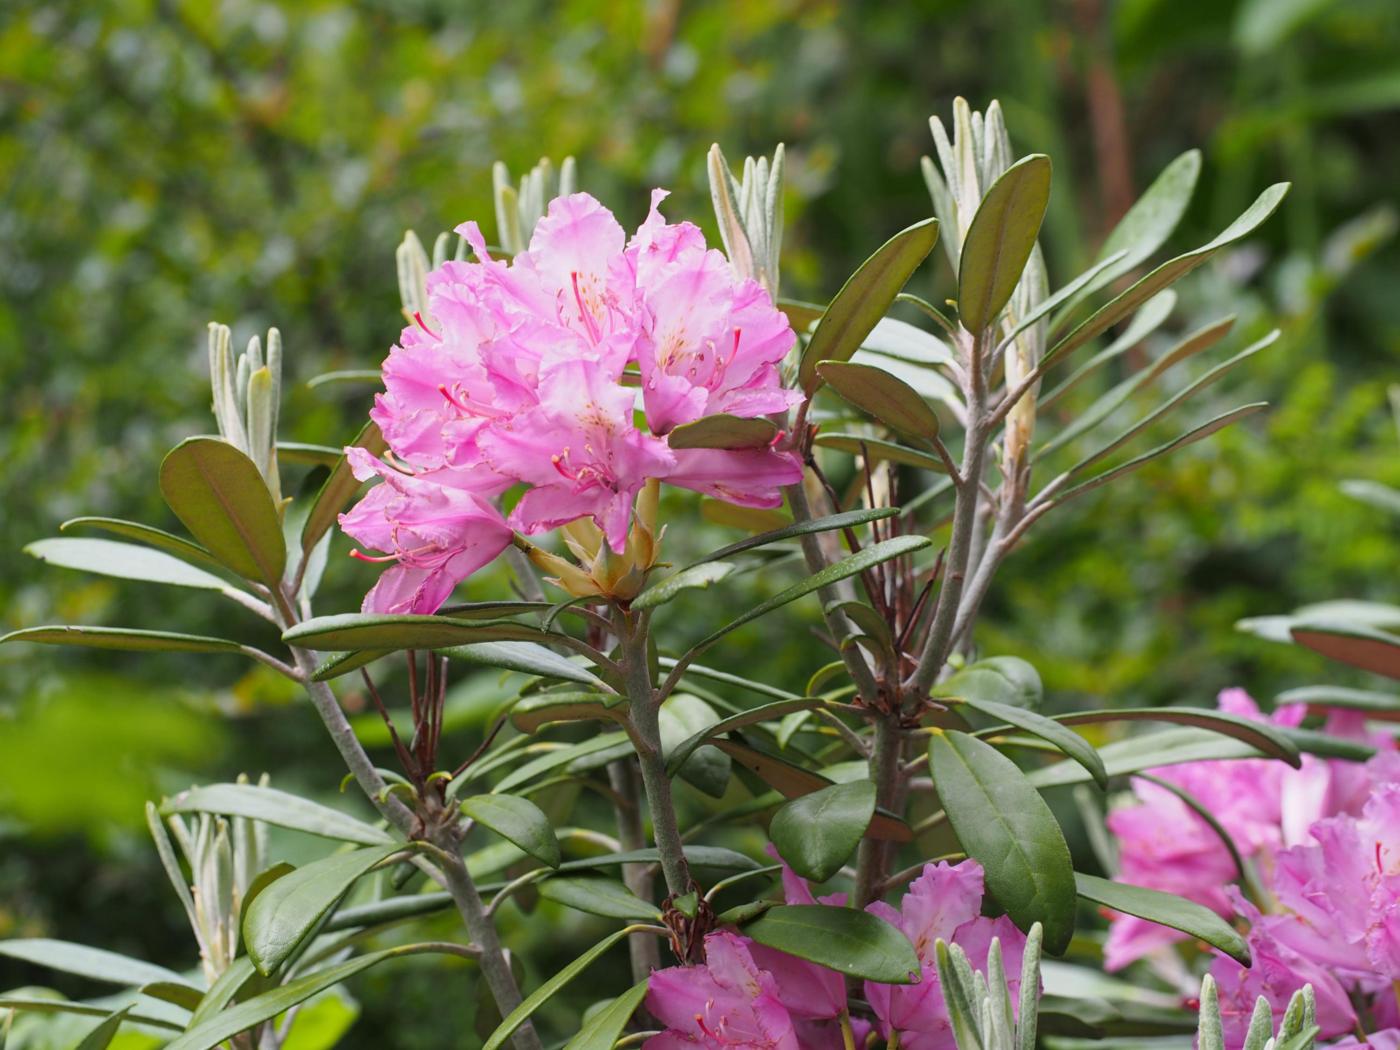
x=164 y=163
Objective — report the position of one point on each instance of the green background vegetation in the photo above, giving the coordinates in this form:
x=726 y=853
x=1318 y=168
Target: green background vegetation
x=165 y=163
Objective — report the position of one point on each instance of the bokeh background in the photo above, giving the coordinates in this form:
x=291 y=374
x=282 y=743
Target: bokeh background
x=164 y=163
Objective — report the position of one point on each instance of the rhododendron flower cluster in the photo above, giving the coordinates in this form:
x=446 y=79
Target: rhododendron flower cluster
x=749 y=995
x=1323 y=844
x=528 y=376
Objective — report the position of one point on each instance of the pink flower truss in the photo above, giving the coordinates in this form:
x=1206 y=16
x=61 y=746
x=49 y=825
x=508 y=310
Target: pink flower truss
x=522 y=377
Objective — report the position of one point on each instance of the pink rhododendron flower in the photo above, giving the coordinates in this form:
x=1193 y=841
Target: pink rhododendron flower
x=521 y=375
x=945 y=903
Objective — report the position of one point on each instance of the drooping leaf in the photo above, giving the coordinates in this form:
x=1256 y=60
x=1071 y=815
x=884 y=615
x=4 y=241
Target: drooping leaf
x=278 y=808
x=1003 y=823
x=1048 y=729
x=1377 y=705
x=817 y=833
x=125 y=638
x=220 y=496
x=542 y=709
x=525 y=657
x=598 y=895
x=765 y=713
x=340 y=488
x=1167 y=748
x=517 y=820
x=384 y=631
x=605 y=1027
x=95 y=964
x=1170 y=272
x=877 y=450
x=886 y=397
x=724 y=431
x=864 y=299
x=1000 y=239
x=1363 y=647
x=852 y=942
x=701 y=576
x=150 y=536
x=999 y=679
x=1266 y=738
x=288 y=911
x=1167 y=909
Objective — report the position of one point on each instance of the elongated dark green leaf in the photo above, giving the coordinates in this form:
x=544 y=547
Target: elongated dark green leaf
x=149 y=535
x=285 y=913
x=701 y=576
x=598 y=895
x=219 y=495
x=817 y=833
x=1000 y=679
x=92 y=963
x=765 y=713
x=216 y=1029
x=1167 y=909
x=340 y=488
x=886 y=397
x=1151 y=317
x=185 y=996
x=1199 y=433
x=1000 y=239
x=549 y=989
x=724 y=431
x=347 y=375
x=44 y=1005
x=126 y=638
x=222 y=991
x=681 y=717
x=845 y=520
x=101 y=1037
x=276 y=807
x=525 y=657
x=1363 y=647
x=1003 y=823
x=852 y=942
x=1325 y=696
x=126 y=561
x=698 y=856
x=851 y=565
x=338 y=664
x=1168 y=748
x=605 y=1027
x=880 y=451
x=534 y=712
x=864 y=298
x=1051 y=303
x=378 y=631
x=1170 y=272
x=552 y=760
x=1071 y=743
x=517 y=820
x=1262 y=736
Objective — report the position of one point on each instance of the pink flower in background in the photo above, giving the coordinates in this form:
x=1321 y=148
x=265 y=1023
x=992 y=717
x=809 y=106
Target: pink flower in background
x=521 y=375
x=945 y=903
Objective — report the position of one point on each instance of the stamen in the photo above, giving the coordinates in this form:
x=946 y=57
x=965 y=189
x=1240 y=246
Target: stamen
x=418 y=318
x=735 y=352
x=452 y=400
x=362 y=556
x=584 y=313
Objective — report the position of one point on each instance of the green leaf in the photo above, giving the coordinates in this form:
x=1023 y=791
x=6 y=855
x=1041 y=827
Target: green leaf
x=338 y=664
x=381 y=631
x=45 y=1005
x=851 y=565
x=340 y=488
x=278 y=808
x=347 y=375
x=698 y=856
x=765 y=713
x=1049 y=730
x=1324 y=696
x=1170 y=272
x=877 y=450
x=306 y=455
x=1151 y=220
x=101 y=1037
x=222 y=991
x=552 y=760
x=598 y=895
x=700 y=577
x=852 y=942
x=999 y=679
x=724 y=431
x=1363 y=647
x=801 y=315
x=93 y=963
x=604 y=1027
x=288 y=911
x=1000 y=239
x=220 y=496
x=1133 y=755
x=1003 y=823
x=1052 y=302
x=681 y=717
x=864 y=298
x=886 y=397
x=1267 y=739
x=549 y=989
x=525 y=657
x=150 y=536
x=517 y=820
x=184 y=996
x=1167 y=909
x=533 y=713
x=817 y=833
x=125 y=638
x=845 y=520
x=1152 y=316
x=895 y=338
x=210 y=1032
